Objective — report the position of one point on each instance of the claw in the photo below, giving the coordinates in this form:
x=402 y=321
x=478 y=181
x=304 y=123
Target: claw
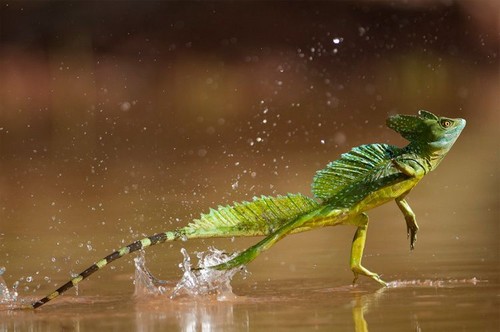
x=411 y=233
x=413 y=240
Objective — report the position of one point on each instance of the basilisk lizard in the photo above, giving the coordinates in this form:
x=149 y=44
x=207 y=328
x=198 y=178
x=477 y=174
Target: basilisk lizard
x=363 y=178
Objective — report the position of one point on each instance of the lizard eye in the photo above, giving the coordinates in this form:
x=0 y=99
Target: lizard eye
x=445 y=123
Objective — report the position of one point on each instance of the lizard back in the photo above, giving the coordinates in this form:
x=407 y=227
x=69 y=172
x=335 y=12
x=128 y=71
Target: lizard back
x=261 y=216
x=364 y=169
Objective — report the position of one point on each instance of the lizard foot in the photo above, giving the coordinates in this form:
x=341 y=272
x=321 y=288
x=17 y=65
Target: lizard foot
x=363 y=271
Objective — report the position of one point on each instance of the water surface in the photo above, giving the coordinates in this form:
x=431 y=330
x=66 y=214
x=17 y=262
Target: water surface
x=118 y=122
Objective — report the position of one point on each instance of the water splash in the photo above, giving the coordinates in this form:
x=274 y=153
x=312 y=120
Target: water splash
x=197 y=281
x=6 y=296
x=145 y=282
x=203 y=280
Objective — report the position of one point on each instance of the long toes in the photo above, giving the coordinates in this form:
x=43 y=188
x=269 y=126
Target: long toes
x=379 y=280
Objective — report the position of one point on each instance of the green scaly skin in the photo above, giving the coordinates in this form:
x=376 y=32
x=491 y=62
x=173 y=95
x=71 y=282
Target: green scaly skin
x=362 y=179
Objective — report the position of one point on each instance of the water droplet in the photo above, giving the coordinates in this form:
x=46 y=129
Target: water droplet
x=125 y=106
x=337 y=40
x=339 y=138
x=202 y=153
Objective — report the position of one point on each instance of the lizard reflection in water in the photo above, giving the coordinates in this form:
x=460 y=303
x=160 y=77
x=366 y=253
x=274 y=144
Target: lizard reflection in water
x=362 y=179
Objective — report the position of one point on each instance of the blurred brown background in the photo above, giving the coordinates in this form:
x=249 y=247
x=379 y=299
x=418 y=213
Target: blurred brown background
x=119 y=119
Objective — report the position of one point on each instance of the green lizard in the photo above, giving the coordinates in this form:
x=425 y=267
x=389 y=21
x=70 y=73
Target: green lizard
x=363 y=178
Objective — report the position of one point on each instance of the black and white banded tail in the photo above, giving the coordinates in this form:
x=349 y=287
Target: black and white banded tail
x=137 y=245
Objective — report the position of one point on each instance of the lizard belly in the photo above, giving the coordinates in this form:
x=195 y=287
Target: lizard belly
x=385 y=195
x=325 y=216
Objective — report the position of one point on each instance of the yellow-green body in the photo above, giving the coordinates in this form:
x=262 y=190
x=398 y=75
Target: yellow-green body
x=362 y=179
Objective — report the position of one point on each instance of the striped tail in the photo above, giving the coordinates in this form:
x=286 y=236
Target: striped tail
x=137 y=245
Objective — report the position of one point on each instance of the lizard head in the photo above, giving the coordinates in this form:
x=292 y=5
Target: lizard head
x=433 y=133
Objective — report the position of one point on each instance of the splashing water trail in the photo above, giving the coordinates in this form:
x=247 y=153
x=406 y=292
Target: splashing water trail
x=6 y=296
x=145 y=282
x=203 y=280
x=194 y=282
x=433 y=283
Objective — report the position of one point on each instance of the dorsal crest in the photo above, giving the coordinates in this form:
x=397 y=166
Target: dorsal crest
x=358 y=164
x=261 y=216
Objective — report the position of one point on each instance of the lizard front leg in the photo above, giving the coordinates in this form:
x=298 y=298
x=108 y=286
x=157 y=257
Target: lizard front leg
x=410 y=166
x=411 y=221
x=358 y=246
x=415 y=168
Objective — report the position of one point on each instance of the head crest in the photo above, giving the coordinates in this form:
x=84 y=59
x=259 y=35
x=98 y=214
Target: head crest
x=427 y=115
x=411 y=127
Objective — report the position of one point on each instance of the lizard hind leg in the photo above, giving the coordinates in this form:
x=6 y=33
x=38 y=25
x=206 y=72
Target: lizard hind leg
x=358 y=246
x=251 y=253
